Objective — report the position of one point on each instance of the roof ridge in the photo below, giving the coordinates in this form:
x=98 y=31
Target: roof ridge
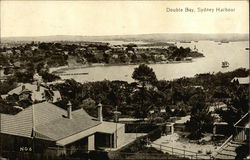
x=78 y=110
x=54 y=105
x=39 y=135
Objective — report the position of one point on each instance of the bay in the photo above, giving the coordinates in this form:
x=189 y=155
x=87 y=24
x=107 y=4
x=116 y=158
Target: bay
x=233 y=52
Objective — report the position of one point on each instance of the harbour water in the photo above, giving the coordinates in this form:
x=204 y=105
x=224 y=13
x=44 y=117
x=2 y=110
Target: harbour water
x=233 y=52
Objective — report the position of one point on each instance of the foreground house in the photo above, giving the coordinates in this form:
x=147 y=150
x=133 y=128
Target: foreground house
x=52 y=131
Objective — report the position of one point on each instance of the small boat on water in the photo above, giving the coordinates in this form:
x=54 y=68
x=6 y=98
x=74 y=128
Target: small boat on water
x=195 y=49
x=188 y=59
x=225 y=64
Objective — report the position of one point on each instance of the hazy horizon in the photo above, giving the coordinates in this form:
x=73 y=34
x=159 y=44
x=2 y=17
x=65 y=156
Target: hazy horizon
x=130 y=34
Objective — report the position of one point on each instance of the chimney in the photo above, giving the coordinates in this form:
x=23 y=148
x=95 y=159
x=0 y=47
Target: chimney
x=99 y=106
x=38 y=86
x=69 y=110
x=23 y=87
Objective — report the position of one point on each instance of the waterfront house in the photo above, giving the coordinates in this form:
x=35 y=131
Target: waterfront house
x=241 y=80
x=52 y=131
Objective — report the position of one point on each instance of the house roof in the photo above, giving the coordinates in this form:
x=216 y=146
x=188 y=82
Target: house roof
x=56 y=96
x=46 y=119
x=241 y=80
x=183 y=120
x=244 y=121
x=64 y=127
x=26 y=86
x=112 y=127
x=35 y=95
x=104 y=127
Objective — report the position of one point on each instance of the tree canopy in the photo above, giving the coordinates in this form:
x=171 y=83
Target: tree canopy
x=144 y=74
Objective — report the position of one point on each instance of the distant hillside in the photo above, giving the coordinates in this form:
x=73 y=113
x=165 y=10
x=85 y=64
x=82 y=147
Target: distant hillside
x=158 y=37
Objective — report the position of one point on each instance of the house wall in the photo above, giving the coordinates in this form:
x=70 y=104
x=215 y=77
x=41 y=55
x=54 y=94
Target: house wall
x=179 y=127
x=241 y=134
x=15 y=143
x=25 y=145
x=104 y=140
x=91 y=142
x=119 y=137
x=77 y=147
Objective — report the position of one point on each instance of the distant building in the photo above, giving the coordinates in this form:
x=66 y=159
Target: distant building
x=241 y=80
x=239 y=137
x=180 y=123
x=7 y=53
x=46 y=128
x=36 y=92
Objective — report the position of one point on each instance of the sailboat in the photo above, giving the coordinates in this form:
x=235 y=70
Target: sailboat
x=195 y=49
x=225 y=64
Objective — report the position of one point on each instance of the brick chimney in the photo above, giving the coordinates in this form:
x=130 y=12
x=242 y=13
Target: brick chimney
x=69 y=110
x=23 y=87
x=38 y=86
x=99 y=107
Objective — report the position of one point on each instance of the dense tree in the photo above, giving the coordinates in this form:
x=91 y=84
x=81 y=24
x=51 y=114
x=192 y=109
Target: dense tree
x=49 y=77
x=201 y=120
x=144 y=74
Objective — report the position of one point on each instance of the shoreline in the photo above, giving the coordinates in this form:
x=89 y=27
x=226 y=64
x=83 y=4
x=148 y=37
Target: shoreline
x=61 y=69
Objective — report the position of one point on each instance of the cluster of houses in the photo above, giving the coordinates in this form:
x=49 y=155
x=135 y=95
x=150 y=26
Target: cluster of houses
x=46 y=128
x=49 y=130
x=57 y=54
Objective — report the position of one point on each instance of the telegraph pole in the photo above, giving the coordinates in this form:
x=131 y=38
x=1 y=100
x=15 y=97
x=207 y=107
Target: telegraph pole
x=116 y=113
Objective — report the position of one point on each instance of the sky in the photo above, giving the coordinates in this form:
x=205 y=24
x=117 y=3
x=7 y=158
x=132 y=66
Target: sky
x=88 y=18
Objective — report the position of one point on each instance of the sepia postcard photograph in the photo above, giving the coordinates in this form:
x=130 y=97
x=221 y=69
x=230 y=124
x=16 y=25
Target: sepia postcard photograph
x=124 y=80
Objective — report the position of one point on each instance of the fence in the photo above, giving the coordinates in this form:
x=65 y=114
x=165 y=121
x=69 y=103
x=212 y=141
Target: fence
x=241 y=134
x=182 y=152
x=143 y=156
x=139 y=127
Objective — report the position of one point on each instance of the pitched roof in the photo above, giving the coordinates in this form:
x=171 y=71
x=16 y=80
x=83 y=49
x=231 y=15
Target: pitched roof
x=47 y=120
x=19 y=124
x=64 y=127
x=57 y=96
x=35 y=95
x=241 y=80
x=26 y=86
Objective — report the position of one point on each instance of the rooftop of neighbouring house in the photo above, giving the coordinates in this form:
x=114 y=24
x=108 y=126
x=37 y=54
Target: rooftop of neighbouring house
x=26 y=86
x=243 y=122
x=241 y=80
x=248 y=125
x=183 y=120
x=36 y=94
